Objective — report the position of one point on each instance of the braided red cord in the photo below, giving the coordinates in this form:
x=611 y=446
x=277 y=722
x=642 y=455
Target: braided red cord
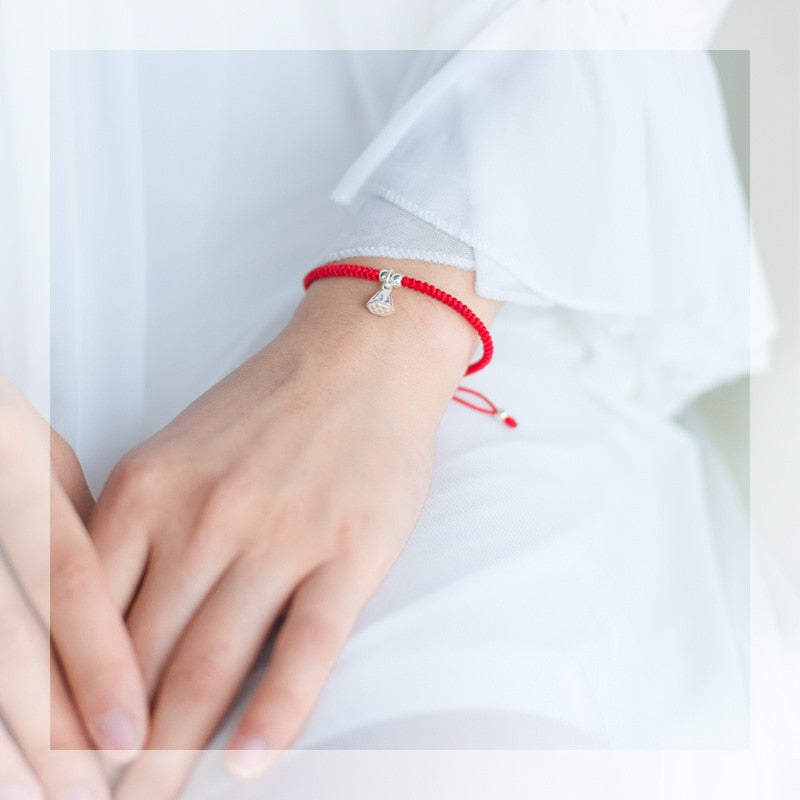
x=372 y=274
x=341 y=271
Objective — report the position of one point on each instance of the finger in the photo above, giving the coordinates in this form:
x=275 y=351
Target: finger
x=202 y=677
x=28 y=551
x=24 y=521
x=16 y=778
x=69 y=474
x=120 y=539
x=173 y=589
x=216 y=651
x=157 y=775
x=69 y=768
x=322 y=614
x=26 y=532
x=25 y=679
x=90 y=638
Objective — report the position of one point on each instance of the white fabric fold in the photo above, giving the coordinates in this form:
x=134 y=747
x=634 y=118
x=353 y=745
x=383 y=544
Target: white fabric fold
x=601 y=185
x=99 y=255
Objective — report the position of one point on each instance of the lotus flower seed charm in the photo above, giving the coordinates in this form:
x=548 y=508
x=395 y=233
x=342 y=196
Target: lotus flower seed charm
x=381 y=302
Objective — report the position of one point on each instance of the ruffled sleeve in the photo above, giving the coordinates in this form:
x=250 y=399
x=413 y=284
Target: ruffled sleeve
x=599 y=187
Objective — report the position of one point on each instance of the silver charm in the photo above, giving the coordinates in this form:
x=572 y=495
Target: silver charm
x=381 y=302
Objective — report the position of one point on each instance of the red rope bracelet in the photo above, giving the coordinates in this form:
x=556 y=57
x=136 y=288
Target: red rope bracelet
x=381 y=304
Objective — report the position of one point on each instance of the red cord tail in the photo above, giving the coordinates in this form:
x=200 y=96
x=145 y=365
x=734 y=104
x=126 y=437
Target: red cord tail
x=489 y=407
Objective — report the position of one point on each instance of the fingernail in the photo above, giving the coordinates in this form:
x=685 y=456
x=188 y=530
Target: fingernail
x=248 y=757
x=118 y=731
x=15 y=790
x=78 y=793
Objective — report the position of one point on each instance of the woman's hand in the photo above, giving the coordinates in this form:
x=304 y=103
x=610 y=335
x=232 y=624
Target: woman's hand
x=44 y=714
x=288 y=488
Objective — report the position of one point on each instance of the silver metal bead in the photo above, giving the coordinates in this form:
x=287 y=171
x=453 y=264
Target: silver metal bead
x=381 y=302
x=390 y=278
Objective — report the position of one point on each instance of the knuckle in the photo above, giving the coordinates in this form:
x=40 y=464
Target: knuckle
x=244 y=479
x=318 y=632
x=355 y=532
x=196 y=686
x=137 y=476
x=199 y=679
x=98 y=676
x=288 y=701
x=61 y=452
x=229 y=495
x=70 y=572
x=229 y=501
x=347 y=535
x=215 y=513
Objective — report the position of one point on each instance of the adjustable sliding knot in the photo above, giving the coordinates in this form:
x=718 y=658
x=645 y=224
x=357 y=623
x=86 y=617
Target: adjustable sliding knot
x=500 y=414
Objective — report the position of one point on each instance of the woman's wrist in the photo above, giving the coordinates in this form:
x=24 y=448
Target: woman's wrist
x=418 y=355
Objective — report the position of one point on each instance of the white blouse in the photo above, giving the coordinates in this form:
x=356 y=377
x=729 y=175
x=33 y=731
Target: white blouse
x=566 y=573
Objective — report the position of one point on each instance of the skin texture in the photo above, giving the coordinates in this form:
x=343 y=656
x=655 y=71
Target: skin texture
x=54 y=699
x=285 y=493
